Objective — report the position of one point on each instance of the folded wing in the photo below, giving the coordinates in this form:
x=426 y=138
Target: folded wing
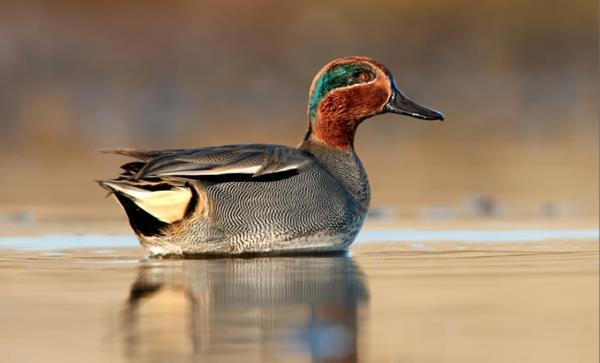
x=161 y=183
x=253 y=159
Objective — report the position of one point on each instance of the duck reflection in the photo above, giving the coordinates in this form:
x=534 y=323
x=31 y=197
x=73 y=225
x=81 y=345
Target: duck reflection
x=254 y=309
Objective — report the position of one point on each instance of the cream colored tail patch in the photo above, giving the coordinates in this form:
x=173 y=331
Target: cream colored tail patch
x=165 y=205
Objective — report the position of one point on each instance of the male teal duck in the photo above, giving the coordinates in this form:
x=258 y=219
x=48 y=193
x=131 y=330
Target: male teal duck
x=256 y=198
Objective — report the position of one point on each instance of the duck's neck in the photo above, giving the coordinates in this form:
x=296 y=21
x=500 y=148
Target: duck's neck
x=343 y=164
x=336 y=132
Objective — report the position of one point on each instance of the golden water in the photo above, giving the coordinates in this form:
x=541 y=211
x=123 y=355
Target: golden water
x=429 y=301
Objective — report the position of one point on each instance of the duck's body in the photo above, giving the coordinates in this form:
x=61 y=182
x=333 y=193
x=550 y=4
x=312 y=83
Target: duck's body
x=264 y=198
x=306 y=199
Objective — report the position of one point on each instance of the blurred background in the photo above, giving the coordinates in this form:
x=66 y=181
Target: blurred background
x=517 y=80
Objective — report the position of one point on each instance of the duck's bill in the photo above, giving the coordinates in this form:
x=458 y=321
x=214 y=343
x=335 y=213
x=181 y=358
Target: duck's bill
x=403 y=105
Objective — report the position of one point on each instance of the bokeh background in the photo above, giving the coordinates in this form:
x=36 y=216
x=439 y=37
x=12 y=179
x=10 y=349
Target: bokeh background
x=517 y=79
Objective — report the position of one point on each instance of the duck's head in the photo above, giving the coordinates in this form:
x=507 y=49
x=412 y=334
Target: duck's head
x=349 y=90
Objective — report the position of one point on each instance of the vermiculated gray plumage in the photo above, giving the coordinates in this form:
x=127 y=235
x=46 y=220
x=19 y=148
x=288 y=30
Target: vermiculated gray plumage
x=251 y=198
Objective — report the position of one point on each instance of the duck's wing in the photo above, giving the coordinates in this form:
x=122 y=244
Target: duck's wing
x=143 y=155
x=160 y=187
x=251 y=159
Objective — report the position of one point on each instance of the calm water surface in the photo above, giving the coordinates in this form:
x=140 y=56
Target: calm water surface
x=489 y=297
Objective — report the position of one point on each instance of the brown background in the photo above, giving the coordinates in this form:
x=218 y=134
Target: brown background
x=517 y=80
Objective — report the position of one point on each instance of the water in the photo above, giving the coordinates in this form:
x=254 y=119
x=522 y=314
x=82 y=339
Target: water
x=398 y=296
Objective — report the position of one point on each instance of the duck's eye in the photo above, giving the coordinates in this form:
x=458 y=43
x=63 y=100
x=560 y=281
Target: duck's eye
x=364 y=76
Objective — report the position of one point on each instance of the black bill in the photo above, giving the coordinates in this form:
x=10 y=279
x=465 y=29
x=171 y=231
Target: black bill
x=403 y=105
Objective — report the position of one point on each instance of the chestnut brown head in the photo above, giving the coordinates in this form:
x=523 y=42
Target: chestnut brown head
x=349 y=90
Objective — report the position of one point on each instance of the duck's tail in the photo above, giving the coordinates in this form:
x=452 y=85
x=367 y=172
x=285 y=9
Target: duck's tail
x=150 y=207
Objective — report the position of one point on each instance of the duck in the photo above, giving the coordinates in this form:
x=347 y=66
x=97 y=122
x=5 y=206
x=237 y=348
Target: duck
x=263 y=198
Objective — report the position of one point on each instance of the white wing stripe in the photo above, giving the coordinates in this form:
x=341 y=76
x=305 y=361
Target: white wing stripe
x=246 y=170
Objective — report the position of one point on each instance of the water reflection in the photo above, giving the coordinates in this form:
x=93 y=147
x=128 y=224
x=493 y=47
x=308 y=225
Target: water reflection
x=259 y=309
